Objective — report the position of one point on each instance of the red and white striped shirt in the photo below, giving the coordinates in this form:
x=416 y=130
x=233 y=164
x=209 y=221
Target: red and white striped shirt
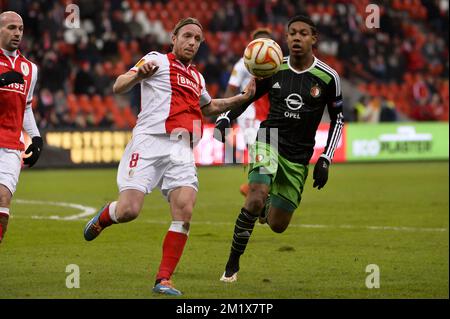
x=15 y=101
x=171 y=98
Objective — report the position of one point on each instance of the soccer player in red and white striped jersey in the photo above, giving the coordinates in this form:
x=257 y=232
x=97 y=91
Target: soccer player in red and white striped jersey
x=17 y=81
x=173 y=102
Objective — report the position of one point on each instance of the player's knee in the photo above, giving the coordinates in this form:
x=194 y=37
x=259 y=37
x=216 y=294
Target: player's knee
x=255 y=205
x=128 y=212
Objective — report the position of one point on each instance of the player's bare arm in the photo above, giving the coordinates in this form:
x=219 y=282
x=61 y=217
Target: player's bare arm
x=126 y=81
x=231 y=90
x=218 y=106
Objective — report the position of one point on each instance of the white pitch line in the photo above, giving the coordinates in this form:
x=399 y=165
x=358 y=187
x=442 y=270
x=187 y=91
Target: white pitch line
x=88 y=211
x=410 y=229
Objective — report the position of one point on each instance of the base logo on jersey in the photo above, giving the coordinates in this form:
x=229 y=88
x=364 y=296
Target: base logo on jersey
x=16 y=87
x=315 y=91
x=294 y=101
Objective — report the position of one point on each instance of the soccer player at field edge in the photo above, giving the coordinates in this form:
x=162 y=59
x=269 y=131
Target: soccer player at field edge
x=17 y=81
x=173 y=99
x=298 y=94
x=256 y=112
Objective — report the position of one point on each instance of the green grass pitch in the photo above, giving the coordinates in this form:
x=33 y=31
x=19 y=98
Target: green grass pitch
x=394 y=215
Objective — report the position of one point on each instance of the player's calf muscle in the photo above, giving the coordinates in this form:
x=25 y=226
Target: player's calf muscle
x=5 y=196
x=278 y=219
x=278 y=227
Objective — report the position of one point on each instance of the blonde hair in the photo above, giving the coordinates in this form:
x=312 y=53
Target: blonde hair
x=184 y=22
x=260 y=31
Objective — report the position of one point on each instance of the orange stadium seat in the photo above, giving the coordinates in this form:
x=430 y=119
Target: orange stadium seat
x=213 y=44
x=110 y=104
x=134 y=5
x=213 y=89
x=214 y=6
x=99 y=108
x=124 y=51
x=119 y=121
x=180 y=6
x=384 y=90
x=129 y=117
x=118 y=69
x=171 y=6
x=192 y=7
x=85 y=103
x=113 y=108
x=237 y=47
x=362 y=87
x=147 y=6
x=72 y=104
x=152 y=15
x=134 y=47
x=372 y=89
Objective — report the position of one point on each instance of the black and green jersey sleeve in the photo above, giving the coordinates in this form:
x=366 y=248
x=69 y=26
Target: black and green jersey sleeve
x=335 y=110
x=297 y=103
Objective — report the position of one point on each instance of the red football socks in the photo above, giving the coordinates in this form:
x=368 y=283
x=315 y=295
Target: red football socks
x=105 y=219
x=173 y=246
x=4 y=219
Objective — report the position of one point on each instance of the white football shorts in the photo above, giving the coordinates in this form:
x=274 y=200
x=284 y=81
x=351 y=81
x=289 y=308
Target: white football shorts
x=10 y=164
x=151 y=161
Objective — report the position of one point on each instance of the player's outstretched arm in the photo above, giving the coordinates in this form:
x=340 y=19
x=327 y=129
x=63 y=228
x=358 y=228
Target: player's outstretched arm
x=217 y=106
x=126 y=81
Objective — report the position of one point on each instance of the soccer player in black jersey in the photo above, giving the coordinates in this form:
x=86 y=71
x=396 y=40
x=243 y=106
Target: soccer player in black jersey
x=298 y=94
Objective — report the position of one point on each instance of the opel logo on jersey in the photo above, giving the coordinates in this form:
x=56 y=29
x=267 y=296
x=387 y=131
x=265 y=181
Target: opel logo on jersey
x=294 y=101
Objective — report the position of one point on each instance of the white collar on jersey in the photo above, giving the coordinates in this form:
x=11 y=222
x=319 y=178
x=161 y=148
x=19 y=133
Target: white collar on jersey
x=12 y=54
x=300 y=72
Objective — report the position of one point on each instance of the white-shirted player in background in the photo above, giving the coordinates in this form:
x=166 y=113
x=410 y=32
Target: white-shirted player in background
x=248 y=122
x=17 y=80
x=173 y=100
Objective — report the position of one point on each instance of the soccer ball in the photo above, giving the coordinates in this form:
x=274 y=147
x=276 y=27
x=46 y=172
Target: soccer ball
x=263 y=57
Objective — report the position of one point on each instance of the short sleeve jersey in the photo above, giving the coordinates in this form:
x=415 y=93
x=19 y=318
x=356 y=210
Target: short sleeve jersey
x=171 y=98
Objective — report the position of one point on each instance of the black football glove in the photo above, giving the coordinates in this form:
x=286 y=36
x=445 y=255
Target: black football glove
x=320 y=174
x=222 y=123
x=35 y=149
x=10 y=77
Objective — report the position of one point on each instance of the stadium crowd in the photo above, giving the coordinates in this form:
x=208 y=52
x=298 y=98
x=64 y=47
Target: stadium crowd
x=398 y=71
